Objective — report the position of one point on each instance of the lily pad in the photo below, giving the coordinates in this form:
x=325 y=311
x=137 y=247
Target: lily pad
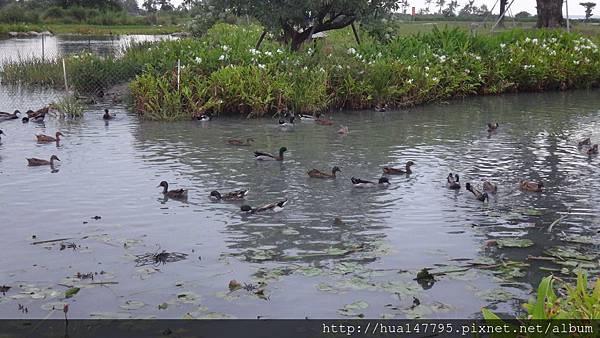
x=163 y=306
x=352 y=310
x=53 y=306
x=533 y=212
x=71 y=292
x=310 y=271
x=187 y=297
x=495 y=295
x=132 y=305
x=576 y=238
x=566 y=253
x=514 y=242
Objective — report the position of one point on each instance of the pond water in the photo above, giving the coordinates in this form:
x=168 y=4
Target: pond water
x=307 y=264
x=60 y=45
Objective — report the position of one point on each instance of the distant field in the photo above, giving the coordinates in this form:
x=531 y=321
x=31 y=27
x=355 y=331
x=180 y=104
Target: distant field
x=90 y=29
x=426 y=26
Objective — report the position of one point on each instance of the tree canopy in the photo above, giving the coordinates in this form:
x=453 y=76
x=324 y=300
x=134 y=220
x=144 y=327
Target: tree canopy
x=297 y=20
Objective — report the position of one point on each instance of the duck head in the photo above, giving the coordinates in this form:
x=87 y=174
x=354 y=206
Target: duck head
x=282 y=150
x=25 y=119
x=249 y=140
x=410 y=164
x=58 y=133
x=281 y=121
x=336 y=169
x=468 y=186
x=246 y=208
x=54 y=158
x=215 y=194
x=163 y=184
x=17 y=113
x=1 y=132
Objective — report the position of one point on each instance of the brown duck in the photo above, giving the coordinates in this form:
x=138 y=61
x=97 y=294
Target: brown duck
x=236 y=195
x=235 y=142
x=492 y=126
x=399 y=171
x=531 y=186
x=480 y=196
x=490 y=187
x=175 y=194
x=38 y=115
x=593 y=150
x=41 y=138
x=319 y=174
x=37 y=161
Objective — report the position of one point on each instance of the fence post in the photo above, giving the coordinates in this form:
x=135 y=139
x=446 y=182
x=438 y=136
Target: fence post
x=43 y=46
x=178 y=72
x=65 y=74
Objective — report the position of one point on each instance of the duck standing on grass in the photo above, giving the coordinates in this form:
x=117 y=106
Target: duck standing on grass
x=531 y=186
x=453 y=181
x=261 y=156
x=358 y=183
x=478 y=194
x=236 y=195
x=33 y=162
x=314 y=173
x=175 y=194
x=41 y=138
x=399 y=171
x=275 y=207
x=107 y=115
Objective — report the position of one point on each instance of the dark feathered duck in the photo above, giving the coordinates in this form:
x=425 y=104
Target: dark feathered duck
x=480 y=196
x=229 y=196
x=39 y=115
x=38 y=162
x=1 y=133
x=275 y=207
x=593 y=150
x=175 y=194
x=492 y=126
x=584 y=142
x=320 y=174
x=261 y=156
x=9 y=116
x=359 y=183
x=531 y=186
x=41 y=138
x=107 y=115
x=453 y=181
x=399 y=171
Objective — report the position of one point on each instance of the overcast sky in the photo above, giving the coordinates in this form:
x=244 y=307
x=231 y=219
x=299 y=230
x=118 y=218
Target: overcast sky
x=517 y=6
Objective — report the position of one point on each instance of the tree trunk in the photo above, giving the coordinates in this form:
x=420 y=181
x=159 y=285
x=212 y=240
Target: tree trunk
x=549 y=13
x=502 y=9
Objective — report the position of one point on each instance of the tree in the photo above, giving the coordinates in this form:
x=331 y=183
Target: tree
x=589 y=6
x=404 y=5
x=298 y=20
x=481 y=11
x=468 y=9
x=149 y=5
x=440 y=4
x=449 y=11
x=549 y=13
x=427 y=4
x=522 y=15
x=502 y=10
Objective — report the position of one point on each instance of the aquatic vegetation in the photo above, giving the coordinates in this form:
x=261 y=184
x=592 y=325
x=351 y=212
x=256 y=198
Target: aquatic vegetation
x=69 y=106
x=579 y=301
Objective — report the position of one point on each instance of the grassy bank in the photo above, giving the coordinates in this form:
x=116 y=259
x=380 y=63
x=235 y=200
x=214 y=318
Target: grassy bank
x=223 y=73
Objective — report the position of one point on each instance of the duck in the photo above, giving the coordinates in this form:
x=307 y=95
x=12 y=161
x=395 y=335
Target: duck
x=380 y=108
x=357 y=182
x=492 y=126
x=38 y=162
x=9 y=116
x=1 y=133
x=343 y=130
x=107 y=115
x=308 y=118
x=229 y=196
x=490 y=187
x=399 y=171
x=261 y=156
x=314 y=173
x=584 y=142
x=235 y=142
x=531 y=186
x=453 y=181
x=41 y=138
x=37 y=116
x=478 y=194
x=323 y=121
x=593 y=150
x=175 y=194
x=283 y=123
x=275 y=207
x=204 y=117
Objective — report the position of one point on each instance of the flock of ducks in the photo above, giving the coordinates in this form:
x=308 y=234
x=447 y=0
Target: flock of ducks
x=453 y=179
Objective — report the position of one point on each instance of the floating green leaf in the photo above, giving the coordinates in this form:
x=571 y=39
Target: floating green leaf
x=514 y=242
x=132 y=305
x=351 y=309
x=71 y=292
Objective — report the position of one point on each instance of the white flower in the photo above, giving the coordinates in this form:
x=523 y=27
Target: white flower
x=322 y=70
x=222 y=57
x=261 y=66
x=253 y=51
x=198 y=59
x=576 y=62
x=379 y=55
x=339 y=67
x=267 y=53
x=502 y=45
x=408 y=67
x=225 y=47
x=351 y=51
x=279 y=50
x=534 y=41
x=409 y=81
x=467 y=71
x=426 y=68
x=434 y=79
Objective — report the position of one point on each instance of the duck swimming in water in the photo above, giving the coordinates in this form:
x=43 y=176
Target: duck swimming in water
x=275 y=207
x=41 y=138
x=9 y=116
x=1 y=133
x=343 y=130
x=175 y=194
x=492 y=127
x=32 y=162
x=478 y=194
x=593 y=150
x=261 y=156
x=584 y=142
x=531 y=186
x=229 y=196
x=453 y=181
x=357 y=182
x=399 y=171
x=319 y=174
x=204 y=117
x=490 y=187
x=235 y=142
x=107 y=115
